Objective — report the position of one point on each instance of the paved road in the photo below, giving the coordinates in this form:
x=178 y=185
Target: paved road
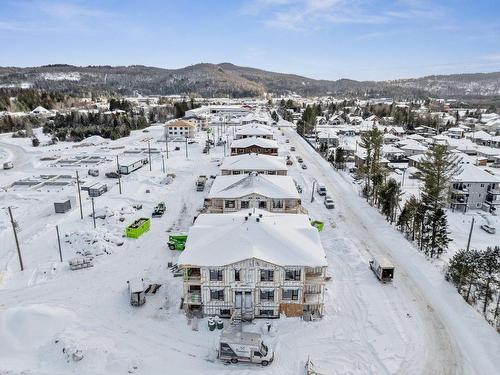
x=458 y=340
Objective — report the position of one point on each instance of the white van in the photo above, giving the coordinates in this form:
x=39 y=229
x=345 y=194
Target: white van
x=383 y=269
x=236 y=346
x=321 y=189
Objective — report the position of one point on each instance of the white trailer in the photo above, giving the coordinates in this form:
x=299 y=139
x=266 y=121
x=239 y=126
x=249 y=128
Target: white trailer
x=383 y=269
x=321 y=189
x=236 y=346
x=129 y=168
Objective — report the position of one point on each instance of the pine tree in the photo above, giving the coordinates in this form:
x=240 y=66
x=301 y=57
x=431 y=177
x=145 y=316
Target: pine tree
x=437 y=167
x=489 y=266
x=340 y=158
x=390 y=196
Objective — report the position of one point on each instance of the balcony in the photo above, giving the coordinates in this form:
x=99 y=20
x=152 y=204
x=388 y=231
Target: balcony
x=193 y=298
x=192 y=275
x=313 y=298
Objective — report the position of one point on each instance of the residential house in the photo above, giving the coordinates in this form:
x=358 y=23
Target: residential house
x=255 y=264
x=236 y=192
x=246 y=163
x=180 y=129
x=254 y=145
x=254 y=130
x=470 y=188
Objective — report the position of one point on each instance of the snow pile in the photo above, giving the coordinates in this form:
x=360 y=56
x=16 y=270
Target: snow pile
x=94 y=140
x=92 y=243
x=160 y=180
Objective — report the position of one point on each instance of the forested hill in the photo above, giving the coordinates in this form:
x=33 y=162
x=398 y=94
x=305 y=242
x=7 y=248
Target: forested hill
x=212 y=80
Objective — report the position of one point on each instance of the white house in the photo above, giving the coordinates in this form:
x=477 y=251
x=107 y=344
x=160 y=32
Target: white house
x=254 y=263
x=254 y=130
x=236 y=192
x=246 y=163
x=470 y=187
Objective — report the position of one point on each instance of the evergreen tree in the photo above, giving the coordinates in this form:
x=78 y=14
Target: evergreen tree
x=35 y=142
x=275 y=116
x=489 y=266
x=340 y=159
x=437 y=167
x=390 y=196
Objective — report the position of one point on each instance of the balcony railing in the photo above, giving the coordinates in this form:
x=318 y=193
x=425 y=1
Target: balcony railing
x=193 y=299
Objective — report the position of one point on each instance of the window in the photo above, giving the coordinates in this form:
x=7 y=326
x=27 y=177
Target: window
x=266 y=275
x=215 y=275
x=277 y=203
x=245 y=204
x=237 y=275
x=217 y=295
x=292 y=275
x=229 y=204
x=267 y=295
x=291 y=294
x=225 y=312
x=263 y=204
x=265 y=312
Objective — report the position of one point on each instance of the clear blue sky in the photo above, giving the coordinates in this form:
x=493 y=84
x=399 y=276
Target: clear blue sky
x=330 y=39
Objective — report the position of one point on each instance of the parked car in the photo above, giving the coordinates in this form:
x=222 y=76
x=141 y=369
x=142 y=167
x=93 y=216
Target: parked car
x=112 y=175
x=329 y=202
x=304 y=166
x=488 y=228
x=289 y=162
x=299 y=159
x=93 y=172
x=321 y=189
x=287 y=140
x=292 y=148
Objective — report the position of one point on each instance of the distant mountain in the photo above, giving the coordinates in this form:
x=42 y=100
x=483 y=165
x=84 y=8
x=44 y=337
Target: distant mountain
x=230 y=80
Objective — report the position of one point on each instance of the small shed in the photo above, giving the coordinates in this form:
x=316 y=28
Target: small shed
x=97 y=190
x=62 y=206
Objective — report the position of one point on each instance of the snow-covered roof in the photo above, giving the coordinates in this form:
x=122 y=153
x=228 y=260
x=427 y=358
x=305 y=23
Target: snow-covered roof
x=471 y=173
x=413 y=146
x=482 y=135
x=254 y=141
x=253 y=162
x=254 y=130
x=236 y=186
x=416 y=137
x=281 y=239
x=40 y=110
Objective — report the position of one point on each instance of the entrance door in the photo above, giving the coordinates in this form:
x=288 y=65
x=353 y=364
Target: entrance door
x=247 y=300
x=238 y=300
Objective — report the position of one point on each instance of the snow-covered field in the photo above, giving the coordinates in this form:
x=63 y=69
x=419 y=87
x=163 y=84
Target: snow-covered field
x=49 y=314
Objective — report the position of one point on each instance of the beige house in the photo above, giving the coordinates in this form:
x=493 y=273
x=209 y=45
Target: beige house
x=238 y=192
x=180 y=129
x=253 y=264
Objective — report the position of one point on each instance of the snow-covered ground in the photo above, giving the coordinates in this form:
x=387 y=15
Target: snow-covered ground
x=416 y=325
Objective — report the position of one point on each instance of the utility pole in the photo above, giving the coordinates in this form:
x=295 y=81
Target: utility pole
x=59 y=243
x=149 y=154
x=79 y=195
x=93 y=211
x=312 y=191
x=186 y=147
x=119 y=175
x=17 y=240
x=163 y=163
x=470 y=234
x=166 y=140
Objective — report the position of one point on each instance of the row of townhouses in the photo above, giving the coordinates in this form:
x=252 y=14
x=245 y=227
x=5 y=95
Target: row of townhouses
x=252 y=252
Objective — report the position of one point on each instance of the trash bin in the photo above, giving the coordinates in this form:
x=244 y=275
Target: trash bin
x=211 y=324
x=220 y=324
